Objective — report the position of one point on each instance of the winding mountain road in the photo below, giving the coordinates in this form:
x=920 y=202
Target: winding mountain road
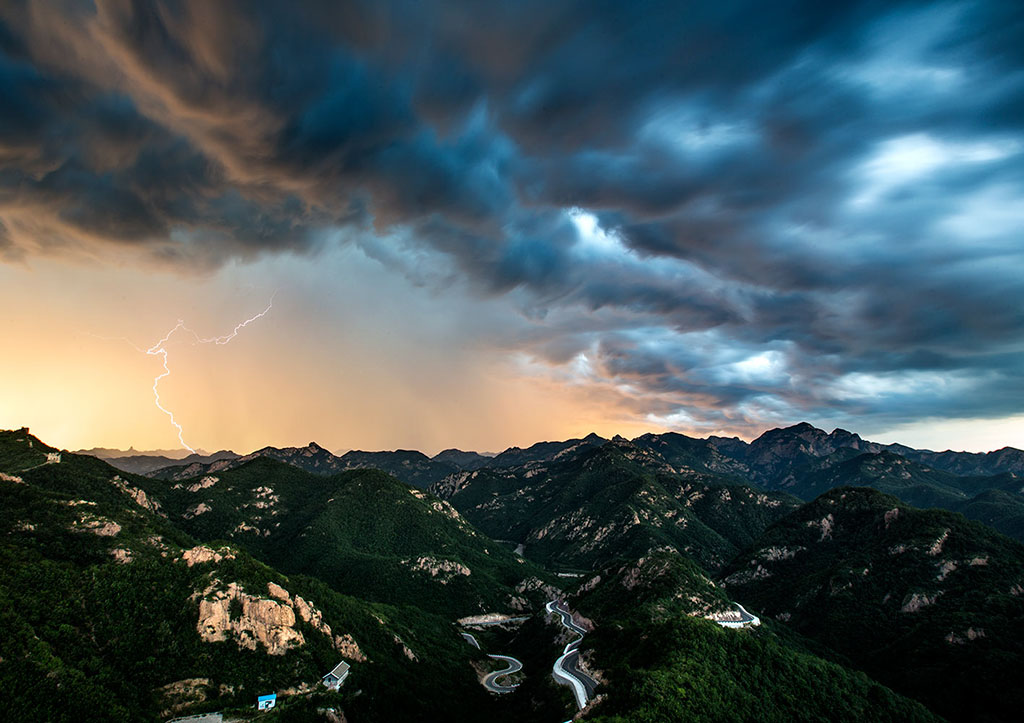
x=566 y=669
x=491 y=679
x=746 y=619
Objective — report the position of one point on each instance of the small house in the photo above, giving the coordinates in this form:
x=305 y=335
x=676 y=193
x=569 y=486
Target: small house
x=53 y=458
x=336 y=677
x=266 y=702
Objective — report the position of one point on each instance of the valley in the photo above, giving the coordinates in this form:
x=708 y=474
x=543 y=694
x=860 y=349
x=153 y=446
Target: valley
x=689 y=565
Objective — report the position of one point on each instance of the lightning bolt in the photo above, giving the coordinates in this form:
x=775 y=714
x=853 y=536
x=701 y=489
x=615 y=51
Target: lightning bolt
x=234 y=332
x=160 y=349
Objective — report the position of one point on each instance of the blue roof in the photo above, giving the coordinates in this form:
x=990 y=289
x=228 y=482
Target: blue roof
x=271 y=696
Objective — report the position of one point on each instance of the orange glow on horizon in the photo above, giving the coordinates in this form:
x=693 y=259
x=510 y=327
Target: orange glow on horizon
x=337 y=365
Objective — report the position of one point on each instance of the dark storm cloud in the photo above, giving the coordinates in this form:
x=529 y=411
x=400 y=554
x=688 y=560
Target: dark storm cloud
x=831 y=183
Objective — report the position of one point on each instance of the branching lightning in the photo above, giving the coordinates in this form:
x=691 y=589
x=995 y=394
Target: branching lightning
x=160 y=349
x=234 y=332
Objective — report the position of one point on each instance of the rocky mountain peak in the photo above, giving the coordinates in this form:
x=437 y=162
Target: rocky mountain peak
x=807 y=439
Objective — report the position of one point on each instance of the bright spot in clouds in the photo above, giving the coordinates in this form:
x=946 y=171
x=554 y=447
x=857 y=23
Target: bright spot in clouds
x=899 y=161
x=592 y=238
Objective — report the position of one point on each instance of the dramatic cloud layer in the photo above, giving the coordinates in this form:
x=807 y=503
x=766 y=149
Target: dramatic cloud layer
x=721 y=215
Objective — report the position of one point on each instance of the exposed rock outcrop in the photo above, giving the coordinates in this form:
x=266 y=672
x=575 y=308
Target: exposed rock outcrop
x=825 y=524
x=936 y=547
x=488 y=618
x=774 y=554
x=532 y=584
x=945 y=568
x=208 y=481
x=347 y=646
x=437 y=505
x=201 y=554
x=306 y=611
x=122 y=555
x=196 y=510
x=917 y=601
x=98 y=526
x=138 y=496
x=259 y=621
x=267 y=621
x=969 y=634
x=440 y=568
x=406 y=651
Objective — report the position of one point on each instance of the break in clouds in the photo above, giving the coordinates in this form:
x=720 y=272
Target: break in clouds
x=729 y=216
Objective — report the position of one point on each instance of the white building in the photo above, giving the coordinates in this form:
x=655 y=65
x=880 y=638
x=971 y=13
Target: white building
x=336 y=677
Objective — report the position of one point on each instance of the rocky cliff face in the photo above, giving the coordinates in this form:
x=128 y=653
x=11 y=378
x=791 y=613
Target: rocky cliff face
x=229 y=612
x=776 y=455
x=258 y=621
x=138 y=496
x=443 y=570
x=201 y=554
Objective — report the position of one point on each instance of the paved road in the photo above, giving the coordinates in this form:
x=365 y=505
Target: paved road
x=491 y=679
x=746 y=618
x=566 y=669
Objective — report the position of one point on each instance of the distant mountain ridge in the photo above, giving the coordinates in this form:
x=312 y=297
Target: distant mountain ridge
x=807 y=461
x=805 y=439
x=410 y=466
x=801 y=460
x=1007 y=459
x=767 y=458
x=147 y=463
x=110 y=453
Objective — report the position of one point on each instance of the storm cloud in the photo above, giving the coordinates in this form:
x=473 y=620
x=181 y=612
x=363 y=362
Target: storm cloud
x=729 y=214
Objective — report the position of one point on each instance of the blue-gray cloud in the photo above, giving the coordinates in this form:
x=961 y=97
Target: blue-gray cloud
x=731 y=209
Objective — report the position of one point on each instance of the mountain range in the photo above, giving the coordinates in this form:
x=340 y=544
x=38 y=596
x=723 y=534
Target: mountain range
x=205 y=582
x=800 y=460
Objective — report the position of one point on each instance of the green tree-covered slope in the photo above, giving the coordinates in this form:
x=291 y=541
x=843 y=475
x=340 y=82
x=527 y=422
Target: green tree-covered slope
x=618 y=500
x=110 y=612
x=363 y=532
x=926 y=601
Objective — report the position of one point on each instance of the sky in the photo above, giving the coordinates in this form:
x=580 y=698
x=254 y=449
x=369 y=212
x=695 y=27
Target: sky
x=480 y=225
